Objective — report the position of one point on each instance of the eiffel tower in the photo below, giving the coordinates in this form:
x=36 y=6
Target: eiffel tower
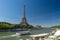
x=24 y=21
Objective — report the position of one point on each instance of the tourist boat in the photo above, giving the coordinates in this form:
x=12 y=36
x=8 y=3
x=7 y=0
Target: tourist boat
x=23 y=33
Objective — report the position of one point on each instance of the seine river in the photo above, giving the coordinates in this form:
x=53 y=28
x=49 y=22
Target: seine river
x=24 y=36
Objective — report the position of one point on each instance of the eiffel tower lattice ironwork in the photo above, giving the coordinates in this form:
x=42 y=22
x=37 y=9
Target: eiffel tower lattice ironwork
x=24 y=21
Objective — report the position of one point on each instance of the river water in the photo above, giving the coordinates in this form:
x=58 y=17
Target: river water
x=47 y=30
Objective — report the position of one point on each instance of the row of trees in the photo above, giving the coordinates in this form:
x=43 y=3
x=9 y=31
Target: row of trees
x=57 y=26
x=7 y=25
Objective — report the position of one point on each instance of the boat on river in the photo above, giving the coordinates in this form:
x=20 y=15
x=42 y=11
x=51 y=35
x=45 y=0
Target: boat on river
x=23 y=33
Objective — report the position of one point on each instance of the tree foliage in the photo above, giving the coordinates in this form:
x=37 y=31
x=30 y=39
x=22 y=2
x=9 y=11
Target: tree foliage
x=57 y=26
x=7 y=25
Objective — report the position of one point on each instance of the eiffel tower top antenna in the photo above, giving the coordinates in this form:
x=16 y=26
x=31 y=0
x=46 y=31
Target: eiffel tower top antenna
x=24 y=8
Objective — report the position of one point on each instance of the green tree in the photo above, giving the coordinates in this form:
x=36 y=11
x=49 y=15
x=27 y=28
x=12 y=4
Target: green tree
x=57 y=26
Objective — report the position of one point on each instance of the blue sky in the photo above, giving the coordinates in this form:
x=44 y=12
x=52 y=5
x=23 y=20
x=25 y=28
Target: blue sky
x=38 y=12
